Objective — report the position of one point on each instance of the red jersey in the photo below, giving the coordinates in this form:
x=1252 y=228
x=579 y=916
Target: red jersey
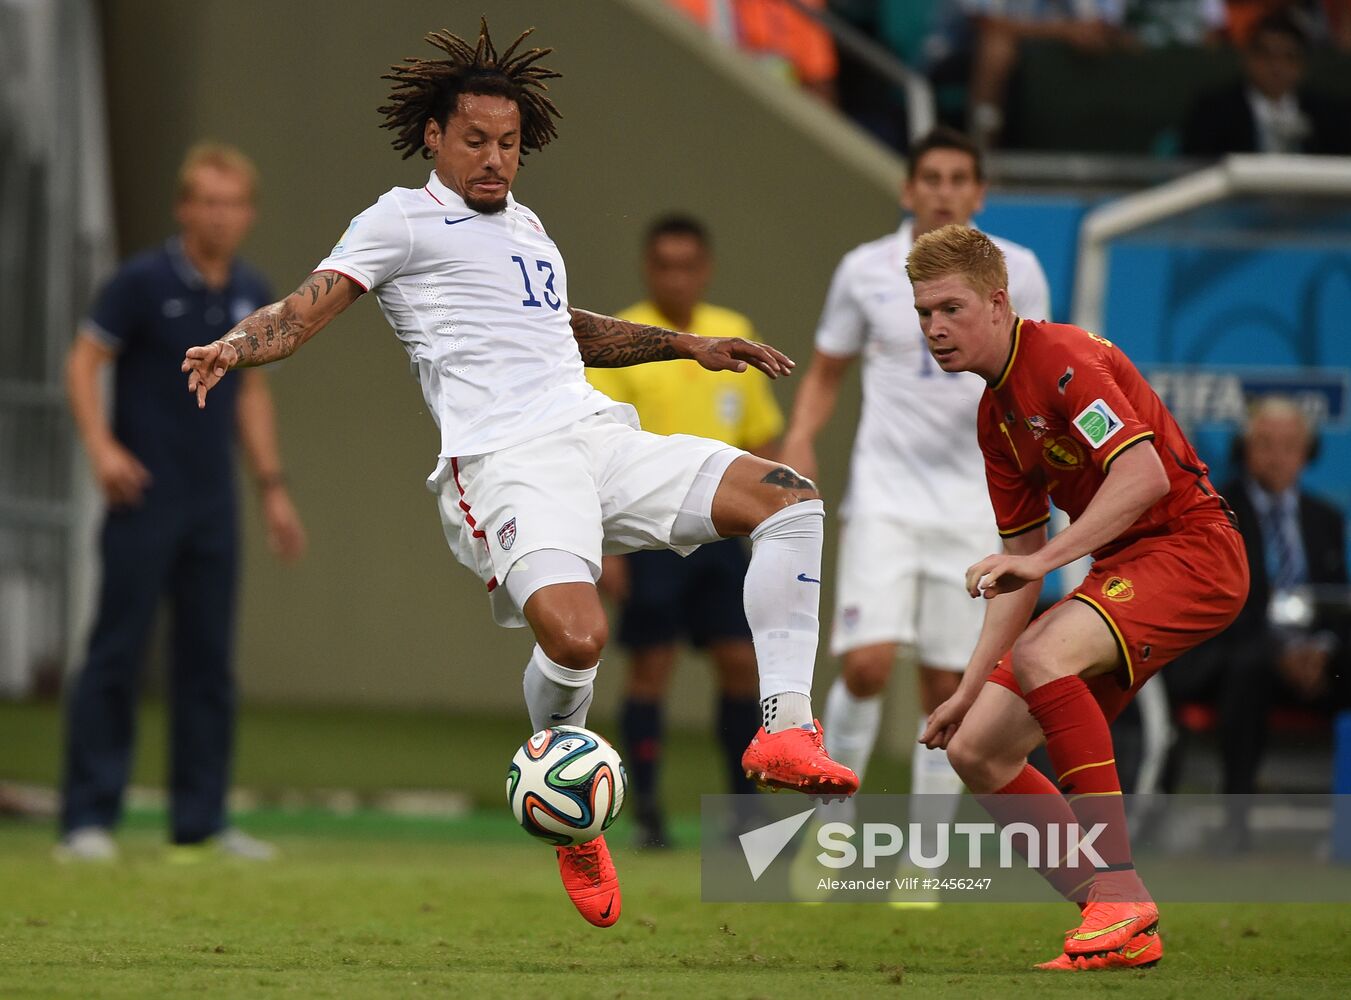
x=1065 y=406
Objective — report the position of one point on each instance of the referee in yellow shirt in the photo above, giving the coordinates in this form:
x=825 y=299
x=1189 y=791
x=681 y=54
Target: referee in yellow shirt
x=662 y=597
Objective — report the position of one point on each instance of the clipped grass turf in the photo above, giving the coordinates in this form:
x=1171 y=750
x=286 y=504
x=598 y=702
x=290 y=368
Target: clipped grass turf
x=474 y=908
x=369 y=905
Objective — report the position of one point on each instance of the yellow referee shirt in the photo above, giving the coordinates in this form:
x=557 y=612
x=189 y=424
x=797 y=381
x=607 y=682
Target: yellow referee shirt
x=681 y=397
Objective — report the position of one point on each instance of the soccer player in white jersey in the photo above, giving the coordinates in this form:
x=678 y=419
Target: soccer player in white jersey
x=539 y=473
x=916 y=512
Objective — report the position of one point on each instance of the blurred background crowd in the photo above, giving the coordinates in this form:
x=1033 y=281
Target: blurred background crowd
x=1145 y=77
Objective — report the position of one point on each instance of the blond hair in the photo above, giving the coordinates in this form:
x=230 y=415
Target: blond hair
x=221 y=156
x=958 y=250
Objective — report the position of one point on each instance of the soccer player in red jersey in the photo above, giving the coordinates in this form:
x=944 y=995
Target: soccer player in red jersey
x=1066 y=416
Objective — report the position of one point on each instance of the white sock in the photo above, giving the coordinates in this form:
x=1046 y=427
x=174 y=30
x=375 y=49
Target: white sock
x=937 y=785
x=783 y=597
x=851 y=726
x=786 y=710
x=555 y=695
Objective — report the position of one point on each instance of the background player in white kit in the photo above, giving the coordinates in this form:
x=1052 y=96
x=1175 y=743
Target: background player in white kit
x=916 y=512
x=539 y=473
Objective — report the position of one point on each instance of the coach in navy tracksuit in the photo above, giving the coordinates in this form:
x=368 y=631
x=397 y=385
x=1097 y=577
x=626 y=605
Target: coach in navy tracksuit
x=167 y=473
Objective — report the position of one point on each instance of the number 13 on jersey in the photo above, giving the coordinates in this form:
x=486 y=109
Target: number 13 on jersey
x=544 y=267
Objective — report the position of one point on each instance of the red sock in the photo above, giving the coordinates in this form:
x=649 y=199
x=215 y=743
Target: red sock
x=1013 y=804
x=1080 y=745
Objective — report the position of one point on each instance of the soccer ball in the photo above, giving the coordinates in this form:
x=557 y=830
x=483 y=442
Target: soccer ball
x=566 y=785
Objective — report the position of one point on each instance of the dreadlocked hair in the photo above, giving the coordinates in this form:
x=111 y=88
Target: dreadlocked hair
x=431 y=88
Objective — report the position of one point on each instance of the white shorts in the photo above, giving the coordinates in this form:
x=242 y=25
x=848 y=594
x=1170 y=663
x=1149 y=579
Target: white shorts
x=598 y=486
x=906 y=583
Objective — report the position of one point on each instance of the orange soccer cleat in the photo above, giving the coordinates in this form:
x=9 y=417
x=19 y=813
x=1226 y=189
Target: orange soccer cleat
x=590 y=879
x=1109 y=923
x=796 y=759
x=1141 y=952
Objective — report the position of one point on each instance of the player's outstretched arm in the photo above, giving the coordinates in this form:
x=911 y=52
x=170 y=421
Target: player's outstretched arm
x=272 y=332
x=609 y=342
x=1136 y=480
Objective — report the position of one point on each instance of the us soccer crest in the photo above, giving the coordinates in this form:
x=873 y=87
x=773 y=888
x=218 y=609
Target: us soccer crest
x=506 y=535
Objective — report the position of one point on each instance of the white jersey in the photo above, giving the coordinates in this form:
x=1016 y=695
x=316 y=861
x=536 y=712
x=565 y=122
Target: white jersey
x=480 y=303
x=915 y=453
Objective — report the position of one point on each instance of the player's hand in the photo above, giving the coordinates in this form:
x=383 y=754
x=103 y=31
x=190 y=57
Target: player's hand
x=1002 y=574
x=614 y=583
x=120 y=474
x=800 y=456
x=732 y=354
x=206 y=366
x=285 y=532
x=944 y=720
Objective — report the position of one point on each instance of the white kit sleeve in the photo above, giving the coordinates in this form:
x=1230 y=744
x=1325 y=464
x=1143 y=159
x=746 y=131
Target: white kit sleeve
x=1029 y=291
x=843 y=327
x=375 y=247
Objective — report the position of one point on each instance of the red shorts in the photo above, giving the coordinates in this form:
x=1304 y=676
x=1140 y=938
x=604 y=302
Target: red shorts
x=1160 y=597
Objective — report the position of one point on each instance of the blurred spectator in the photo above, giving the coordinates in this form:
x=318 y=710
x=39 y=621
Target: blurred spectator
x=166 y=470
x=970 y=49
x=777 y=32
x=1156 y=23
x=1002 y=26
x=1324 y=22
x=663 y=597
x=1286 y=646
x=1268 y=112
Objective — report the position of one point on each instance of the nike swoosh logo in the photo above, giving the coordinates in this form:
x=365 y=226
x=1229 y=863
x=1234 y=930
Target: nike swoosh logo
x=1106 y=930
x=804 y=578
x=605 y=913
x=456 y=222
x=554 y=716
x=1136 y=953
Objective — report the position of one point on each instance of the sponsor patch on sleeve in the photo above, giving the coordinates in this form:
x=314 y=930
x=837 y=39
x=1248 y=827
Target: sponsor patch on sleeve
x=1097 y=423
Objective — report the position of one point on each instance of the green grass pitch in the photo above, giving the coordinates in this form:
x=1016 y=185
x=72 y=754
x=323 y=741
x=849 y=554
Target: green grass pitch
x=376 y=906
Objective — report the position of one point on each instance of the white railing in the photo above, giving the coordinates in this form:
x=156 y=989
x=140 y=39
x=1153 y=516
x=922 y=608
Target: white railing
x=1238 y=174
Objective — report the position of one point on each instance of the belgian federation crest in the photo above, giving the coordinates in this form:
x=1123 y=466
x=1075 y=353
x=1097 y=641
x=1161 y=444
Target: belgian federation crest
x=1119 y=589
x=506 y=535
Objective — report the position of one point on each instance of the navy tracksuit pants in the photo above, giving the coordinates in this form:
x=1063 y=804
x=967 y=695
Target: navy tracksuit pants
x=185 y=551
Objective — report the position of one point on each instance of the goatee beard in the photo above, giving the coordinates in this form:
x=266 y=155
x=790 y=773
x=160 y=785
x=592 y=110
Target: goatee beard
x=486 y=207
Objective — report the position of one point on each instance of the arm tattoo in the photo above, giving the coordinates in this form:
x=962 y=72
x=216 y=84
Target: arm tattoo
x=270 y=334
x=326 y=278
x=607 y=342
x=788 y=479
x=274 y=332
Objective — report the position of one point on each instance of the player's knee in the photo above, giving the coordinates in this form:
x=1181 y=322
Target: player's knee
x=865 y=675
x=1033 y=662
x=577 y=647
x=963 y=758
x=973 y=764
x=800 y=491
x=768 y=502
